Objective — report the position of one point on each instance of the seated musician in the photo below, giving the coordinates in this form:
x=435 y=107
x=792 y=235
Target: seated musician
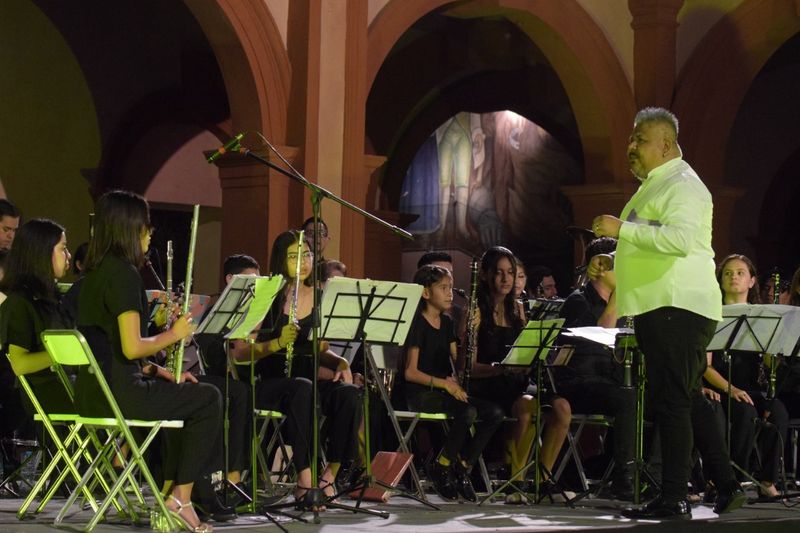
x=500 y=320
x=592 y=380
x=339 y=398
x=750 y=408
x=432 y=387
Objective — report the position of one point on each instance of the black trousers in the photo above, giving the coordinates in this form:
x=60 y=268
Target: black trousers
x=198 y=446
x=485 y=415
x=674 y=344
x=239 y=407
x=342 y=407
x=292 y=397
x=747 y=430
x=595 y=396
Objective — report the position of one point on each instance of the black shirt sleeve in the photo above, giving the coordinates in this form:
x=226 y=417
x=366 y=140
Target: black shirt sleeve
x=20 y=324
x=124 y=294
x=577 y=312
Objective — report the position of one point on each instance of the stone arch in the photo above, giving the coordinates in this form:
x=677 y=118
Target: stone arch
x=713 y=83
x=577 y=49
x=253 y=61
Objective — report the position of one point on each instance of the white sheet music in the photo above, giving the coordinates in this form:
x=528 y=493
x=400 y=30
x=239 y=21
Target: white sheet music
x=604 y=336
x=774 y=327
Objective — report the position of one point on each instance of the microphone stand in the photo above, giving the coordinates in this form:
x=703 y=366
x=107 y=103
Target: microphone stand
x=315 y=496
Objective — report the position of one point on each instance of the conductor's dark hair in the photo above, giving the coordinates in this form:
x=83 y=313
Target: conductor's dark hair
x=120 y=217
x=238 y=263
x=29 y=265
x=434 y=257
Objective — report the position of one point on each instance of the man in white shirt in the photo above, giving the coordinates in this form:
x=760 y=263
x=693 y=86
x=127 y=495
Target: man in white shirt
x=665 y=279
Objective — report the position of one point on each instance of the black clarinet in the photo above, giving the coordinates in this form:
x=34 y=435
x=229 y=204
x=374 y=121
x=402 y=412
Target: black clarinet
x=472 y=331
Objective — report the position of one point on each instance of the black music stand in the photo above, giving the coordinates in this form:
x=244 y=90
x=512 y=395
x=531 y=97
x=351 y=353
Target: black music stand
x=766 y=329
x=242 y=305
x=371 y=312
x=530 y=350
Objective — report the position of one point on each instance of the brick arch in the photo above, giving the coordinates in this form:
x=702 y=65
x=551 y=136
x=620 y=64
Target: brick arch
x=253 y=61
x=589 y=69
x=712 y=85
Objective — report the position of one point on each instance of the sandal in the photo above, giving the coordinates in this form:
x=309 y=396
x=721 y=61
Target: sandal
x=303 y=500
x=202 y=527
x=328 y=489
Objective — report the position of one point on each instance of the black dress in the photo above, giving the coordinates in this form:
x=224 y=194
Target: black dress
x=339 y=402
x=504 y=389
x=106 y=292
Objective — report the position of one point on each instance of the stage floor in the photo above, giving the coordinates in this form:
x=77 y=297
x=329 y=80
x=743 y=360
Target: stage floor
x=407 y=515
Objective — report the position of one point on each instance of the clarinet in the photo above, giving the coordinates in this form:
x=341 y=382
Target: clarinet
x=293 y=304
x=175 y=360
x=472 y=333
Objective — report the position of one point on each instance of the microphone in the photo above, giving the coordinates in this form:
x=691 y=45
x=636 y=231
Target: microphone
x=460 y=292
x=233 y=144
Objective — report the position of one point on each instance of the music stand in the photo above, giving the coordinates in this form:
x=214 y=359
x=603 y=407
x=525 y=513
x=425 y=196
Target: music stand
x=529 y=350
x=372 y=312
x=242 y=305
x=766 y=329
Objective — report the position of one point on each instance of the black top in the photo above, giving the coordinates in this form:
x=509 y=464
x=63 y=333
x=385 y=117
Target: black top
x=494 y=342
x=434 y=347
x=113 y=288
x=583 y=308
x=274 y=365
x=22 y=322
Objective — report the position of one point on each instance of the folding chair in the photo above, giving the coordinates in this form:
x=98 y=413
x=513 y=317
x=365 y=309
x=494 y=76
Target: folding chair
x=69 y=347
x=380 y=359
x=50 y=421
x=579 y=422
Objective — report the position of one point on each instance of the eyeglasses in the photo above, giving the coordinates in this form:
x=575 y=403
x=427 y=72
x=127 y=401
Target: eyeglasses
x=293 y=256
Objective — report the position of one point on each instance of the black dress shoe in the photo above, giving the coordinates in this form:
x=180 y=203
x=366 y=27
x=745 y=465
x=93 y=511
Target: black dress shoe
x=443 y=482
x=659 y=509
x=730 y=500
x=463 y=483
x=214 y=509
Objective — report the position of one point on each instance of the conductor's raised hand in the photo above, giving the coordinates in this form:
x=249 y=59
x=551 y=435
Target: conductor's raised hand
x=606 y=226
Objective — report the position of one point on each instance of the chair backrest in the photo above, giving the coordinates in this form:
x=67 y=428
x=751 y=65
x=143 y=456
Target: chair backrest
x=66 y=346
x=69 y=347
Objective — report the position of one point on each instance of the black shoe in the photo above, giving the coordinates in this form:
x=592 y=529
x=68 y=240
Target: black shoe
x=730 y=500
x=660 y=509
x=442 y=478
x=215 y=510
x=464 y=483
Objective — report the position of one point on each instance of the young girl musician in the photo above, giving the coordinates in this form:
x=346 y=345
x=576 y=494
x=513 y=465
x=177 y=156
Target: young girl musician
x=39 y=257
x=112 y=314
x=433 y=387
x=339 y=398
x=501 y=320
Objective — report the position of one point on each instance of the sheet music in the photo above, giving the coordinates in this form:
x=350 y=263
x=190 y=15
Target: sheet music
x=535 y=338
x=390 y=317
x=265 y=291
x=599 y=335
x=773 y=327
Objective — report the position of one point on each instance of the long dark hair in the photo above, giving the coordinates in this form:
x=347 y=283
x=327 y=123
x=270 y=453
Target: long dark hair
x=280 y=249
x=754 y=294
x=119 y=219
x=489 y=261
x=29 y=265
x=794 y=288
